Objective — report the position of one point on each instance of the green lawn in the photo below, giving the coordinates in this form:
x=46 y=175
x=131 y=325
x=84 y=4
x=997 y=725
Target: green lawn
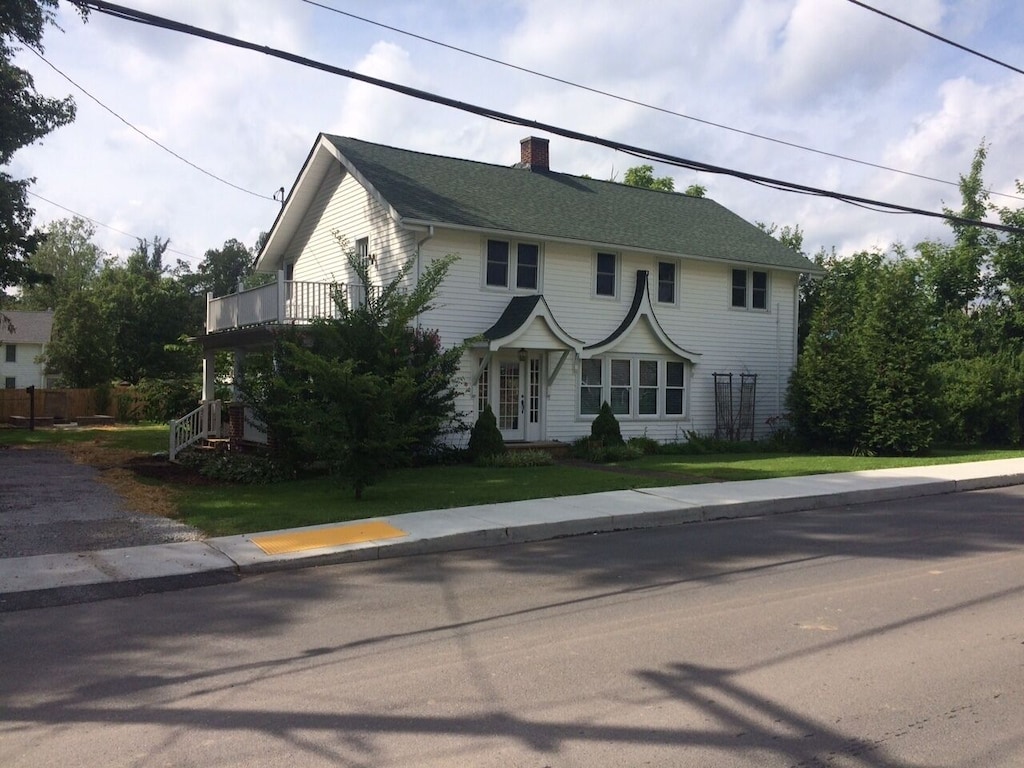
x=229 y=509
x=144 y=438
x=757 y=466
x=240 y=509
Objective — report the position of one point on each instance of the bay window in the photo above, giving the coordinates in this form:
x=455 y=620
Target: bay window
x=634 y=386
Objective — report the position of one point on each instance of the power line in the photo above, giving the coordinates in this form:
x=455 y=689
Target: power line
x=635 y=102
x=140 y=131
x=945 y=40
x=130 y=14
x=106 y=226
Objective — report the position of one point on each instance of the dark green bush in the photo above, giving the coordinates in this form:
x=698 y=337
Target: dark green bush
x=595 y=451
x=646 y=445
x=605 y=427
x=235 y=467
x=166 y=399
x=485 y=439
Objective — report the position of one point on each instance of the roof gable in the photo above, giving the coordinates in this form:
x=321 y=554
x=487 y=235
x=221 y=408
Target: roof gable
x=522 y=312
x=640 y=308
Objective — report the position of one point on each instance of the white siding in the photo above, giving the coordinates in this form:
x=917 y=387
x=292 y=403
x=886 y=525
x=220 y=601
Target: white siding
x=25 y=371
x=702 y=321
x=344 y=207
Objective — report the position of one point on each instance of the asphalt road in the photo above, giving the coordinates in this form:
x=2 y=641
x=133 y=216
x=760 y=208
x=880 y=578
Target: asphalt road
x=863 y=637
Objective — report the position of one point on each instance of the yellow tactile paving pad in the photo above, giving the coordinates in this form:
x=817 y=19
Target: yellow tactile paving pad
x=297 y=541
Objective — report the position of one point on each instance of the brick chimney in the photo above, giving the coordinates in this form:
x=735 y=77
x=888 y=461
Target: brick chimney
x=534 y=153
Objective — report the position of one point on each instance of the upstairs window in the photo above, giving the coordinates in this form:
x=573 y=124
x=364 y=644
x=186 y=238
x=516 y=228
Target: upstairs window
x=749 y=289
x=739 y=288
x=666 y=282
x=11 y=353
x=504 y=263
x=527 y=266
x=759 y=290
x=497 y=263
x=607 y=267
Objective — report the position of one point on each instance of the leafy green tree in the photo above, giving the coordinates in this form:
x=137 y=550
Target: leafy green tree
x=80 y=351
x=25 y=117
x=826 y=397
x=363 y=392
x=148 y=312
x=221 y=269
x=71 y=260
x=862 y=382
x=643 y=176
x=897 y=345
x=695 y=190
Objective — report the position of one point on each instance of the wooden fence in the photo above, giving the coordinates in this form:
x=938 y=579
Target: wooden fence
x=70 y=404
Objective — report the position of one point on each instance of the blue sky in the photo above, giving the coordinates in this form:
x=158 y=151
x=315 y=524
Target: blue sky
x=820 y=73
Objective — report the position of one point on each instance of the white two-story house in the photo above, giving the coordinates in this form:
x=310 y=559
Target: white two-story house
x=573 y=291
x=23 y=340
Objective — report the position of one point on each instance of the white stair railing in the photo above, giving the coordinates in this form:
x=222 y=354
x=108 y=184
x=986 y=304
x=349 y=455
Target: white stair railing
x=202 y=423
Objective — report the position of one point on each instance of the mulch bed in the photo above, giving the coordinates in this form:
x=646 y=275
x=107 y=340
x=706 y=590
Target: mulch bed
x=156 y=468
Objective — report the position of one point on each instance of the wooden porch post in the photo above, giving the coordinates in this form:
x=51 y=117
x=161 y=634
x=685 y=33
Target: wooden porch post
x=209 y=375
x=236 y=375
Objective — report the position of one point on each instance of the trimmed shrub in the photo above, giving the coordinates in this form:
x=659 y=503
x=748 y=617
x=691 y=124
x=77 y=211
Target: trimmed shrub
x=605 y=427
x=485 y=439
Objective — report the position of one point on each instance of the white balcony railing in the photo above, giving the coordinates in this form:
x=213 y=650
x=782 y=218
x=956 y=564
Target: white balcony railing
x=280 y=302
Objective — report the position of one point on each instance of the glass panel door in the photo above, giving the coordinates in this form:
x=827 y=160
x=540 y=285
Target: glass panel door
x=511 y=403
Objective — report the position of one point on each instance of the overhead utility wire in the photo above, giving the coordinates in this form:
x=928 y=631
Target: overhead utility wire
x=142 y=133
x=101 y=224
x=130 y=14
x=645 y=105
x=946 y=40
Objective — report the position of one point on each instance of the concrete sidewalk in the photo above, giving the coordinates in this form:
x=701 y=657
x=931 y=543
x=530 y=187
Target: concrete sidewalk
x=46 y=580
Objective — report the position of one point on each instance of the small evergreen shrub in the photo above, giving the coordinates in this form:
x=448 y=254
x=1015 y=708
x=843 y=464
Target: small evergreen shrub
x=605 y=427
x=485 y=439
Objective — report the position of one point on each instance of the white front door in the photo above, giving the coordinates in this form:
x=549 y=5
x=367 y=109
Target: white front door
x=517 y=398
x=511 y=406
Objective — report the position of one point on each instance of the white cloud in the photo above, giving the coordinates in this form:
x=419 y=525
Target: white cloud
x=822 y=73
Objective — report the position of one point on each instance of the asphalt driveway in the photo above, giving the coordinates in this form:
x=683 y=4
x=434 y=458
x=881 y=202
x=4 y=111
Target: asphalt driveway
x=51 y=505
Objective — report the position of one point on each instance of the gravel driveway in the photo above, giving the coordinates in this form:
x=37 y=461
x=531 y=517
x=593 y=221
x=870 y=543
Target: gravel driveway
x=50 y=505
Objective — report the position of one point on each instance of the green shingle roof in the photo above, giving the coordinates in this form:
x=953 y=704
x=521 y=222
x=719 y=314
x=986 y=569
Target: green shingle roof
x=431 y=189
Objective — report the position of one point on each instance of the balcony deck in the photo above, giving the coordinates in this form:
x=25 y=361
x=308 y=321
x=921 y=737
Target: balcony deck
x=283 y=302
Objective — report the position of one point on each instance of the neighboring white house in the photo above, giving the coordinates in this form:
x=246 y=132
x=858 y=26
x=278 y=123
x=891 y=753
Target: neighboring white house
x=21 y=347
x=575 y=291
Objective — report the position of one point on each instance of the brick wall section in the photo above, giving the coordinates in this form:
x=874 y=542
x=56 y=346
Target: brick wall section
x=236 y=423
